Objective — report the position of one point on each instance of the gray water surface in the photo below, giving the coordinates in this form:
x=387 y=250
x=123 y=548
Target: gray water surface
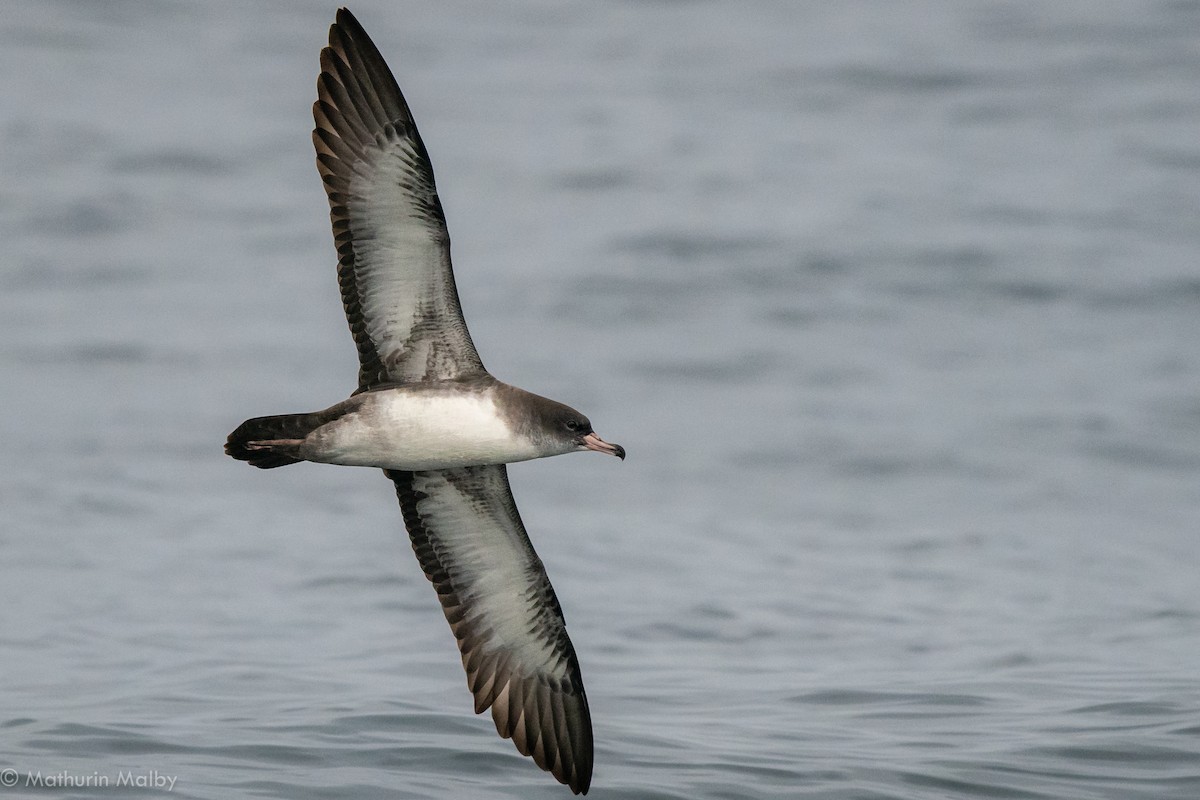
x=895 y=306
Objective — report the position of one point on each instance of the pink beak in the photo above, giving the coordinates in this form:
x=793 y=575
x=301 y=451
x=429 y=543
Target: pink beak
x=594 y=442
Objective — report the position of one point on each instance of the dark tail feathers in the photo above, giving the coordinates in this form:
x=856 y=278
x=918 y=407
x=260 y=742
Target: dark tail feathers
x=283 y=426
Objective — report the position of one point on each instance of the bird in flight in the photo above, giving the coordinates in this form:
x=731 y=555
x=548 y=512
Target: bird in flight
x=428 y=413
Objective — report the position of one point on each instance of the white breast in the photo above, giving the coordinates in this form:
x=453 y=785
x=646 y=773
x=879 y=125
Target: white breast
x=416 y=429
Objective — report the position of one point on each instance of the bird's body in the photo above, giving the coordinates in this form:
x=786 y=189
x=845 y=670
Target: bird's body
x=428 y=413
x=440 y=426
x=428 y=425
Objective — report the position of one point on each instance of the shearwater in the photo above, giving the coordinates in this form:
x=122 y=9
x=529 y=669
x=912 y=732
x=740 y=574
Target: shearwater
x=427 y=412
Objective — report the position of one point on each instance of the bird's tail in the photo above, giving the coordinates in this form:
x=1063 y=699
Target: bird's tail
x=269 y=442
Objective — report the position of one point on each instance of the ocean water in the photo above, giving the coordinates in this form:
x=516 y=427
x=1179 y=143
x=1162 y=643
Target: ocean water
x=895 y=306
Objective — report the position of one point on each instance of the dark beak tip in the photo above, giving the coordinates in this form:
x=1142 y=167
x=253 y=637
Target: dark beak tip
x=593 y=442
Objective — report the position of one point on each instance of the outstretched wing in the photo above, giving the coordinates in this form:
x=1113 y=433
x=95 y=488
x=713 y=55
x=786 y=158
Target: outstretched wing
x=519 y=660
x=393 y=248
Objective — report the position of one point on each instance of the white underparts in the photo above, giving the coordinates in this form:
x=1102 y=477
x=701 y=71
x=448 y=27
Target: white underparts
x=410 y=429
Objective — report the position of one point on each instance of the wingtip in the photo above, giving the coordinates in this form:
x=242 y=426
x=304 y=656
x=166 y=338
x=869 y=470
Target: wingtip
x=347 y=22
x=581 y=782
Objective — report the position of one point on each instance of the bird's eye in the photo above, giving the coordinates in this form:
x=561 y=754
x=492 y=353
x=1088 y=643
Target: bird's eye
x=573 y=425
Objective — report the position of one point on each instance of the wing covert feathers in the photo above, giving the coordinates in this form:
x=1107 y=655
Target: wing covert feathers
x=520 y=663
x=393 y=248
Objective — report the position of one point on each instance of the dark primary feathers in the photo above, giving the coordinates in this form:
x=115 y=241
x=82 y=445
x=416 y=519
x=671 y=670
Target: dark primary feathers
x=393 y=248
x=469 y=539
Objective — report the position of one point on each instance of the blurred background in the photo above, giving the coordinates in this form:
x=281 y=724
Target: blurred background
x=895 y=306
